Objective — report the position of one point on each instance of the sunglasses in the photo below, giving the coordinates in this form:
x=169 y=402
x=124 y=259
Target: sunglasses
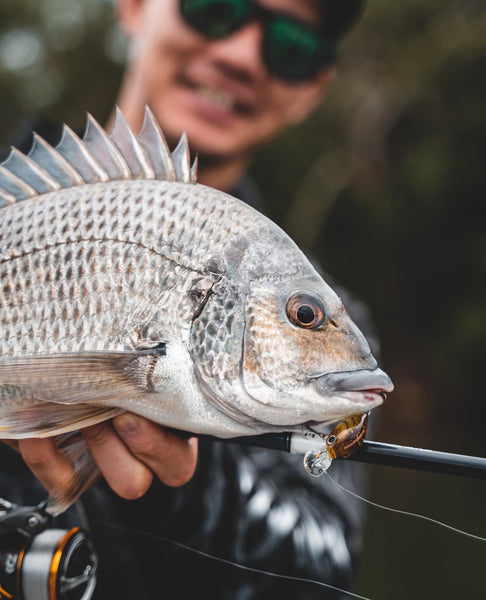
x=292 y=50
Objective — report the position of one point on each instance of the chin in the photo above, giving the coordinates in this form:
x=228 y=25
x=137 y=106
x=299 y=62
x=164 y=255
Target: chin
x=206 y=139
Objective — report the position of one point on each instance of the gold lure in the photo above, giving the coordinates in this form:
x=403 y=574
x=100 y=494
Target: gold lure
x=341 y=442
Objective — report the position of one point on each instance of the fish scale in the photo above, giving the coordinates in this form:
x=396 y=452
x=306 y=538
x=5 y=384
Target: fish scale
x=127 y=286
x=109 y=245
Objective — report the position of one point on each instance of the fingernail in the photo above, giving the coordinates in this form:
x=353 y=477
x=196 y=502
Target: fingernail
x=193 y=442
x=127 y=424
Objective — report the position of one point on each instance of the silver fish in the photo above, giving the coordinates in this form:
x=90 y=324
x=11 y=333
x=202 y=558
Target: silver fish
x=127 y=286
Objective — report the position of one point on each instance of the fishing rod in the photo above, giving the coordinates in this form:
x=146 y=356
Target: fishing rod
x=378 y=453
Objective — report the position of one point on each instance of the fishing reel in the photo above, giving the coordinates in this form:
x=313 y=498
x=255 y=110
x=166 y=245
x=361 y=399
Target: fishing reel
x=40 y=563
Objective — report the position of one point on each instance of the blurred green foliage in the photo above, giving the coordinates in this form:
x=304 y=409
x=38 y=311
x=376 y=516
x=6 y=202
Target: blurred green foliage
x=388 y=191
x=386 y=185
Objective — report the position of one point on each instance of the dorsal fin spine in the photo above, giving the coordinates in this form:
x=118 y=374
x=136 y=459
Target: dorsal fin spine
x=97 y=140
x=182 y=160
x=31 y=172
x=6 y=198
x=194 y=169
x=152 y=138
x=125 y=140
x=15 y=186
x=72 y=147
x=53 y=162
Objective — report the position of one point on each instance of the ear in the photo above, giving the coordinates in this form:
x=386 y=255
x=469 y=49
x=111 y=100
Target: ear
x=128 y=14
x=312 y=93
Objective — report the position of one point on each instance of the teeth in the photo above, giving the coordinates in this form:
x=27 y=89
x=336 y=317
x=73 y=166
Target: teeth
x=222 y=99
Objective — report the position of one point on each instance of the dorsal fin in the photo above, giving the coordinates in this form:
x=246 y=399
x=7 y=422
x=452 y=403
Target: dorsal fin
x=182 y=160
x=130 y=148
x=14 y=186
x=54 y=163
x=76 y=153
x=153 y=140
x=100 y=145
x=98 y=157
x=6 y=198
x=30 y=172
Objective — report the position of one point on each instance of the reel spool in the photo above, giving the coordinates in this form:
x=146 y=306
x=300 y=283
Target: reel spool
x=38 y=563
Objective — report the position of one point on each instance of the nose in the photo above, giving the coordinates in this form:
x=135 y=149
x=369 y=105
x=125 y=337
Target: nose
x=240 y=54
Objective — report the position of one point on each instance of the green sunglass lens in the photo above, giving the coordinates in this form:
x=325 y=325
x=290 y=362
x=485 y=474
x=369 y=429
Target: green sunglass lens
x=215 y=18
x=292 y=50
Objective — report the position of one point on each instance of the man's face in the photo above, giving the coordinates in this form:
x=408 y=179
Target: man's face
x=218 y=91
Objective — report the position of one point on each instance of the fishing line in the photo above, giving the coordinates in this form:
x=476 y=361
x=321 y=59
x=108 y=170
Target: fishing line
x=409 y=514
x=229 y=562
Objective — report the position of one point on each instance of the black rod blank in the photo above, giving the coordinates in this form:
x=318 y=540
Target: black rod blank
x=380 y=453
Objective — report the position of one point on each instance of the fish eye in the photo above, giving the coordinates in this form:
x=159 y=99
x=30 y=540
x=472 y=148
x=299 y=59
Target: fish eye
x=305 y=310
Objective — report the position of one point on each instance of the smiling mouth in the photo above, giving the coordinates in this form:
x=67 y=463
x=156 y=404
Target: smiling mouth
x=217 y=98
x=221 y=99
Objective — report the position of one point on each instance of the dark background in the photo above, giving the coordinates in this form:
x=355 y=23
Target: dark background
x=386 y=185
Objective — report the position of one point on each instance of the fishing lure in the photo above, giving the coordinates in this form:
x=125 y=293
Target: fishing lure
x=341 y=442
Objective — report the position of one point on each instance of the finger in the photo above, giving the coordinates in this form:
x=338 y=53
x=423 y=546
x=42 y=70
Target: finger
x=51 y=467
x=125 y=474
x=12 y=443
x=171 y=458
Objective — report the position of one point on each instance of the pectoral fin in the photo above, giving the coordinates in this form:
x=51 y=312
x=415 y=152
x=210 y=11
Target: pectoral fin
x=83 y=377
x=48 y=419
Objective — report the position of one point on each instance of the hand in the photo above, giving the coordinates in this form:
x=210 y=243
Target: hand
x=129 y=451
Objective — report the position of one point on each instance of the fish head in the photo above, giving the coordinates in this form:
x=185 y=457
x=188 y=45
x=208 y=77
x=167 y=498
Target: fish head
x=274 y=347
x=304 y=359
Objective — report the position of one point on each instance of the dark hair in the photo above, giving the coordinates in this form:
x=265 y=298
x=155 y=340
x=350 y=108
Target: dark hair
x=339 y=16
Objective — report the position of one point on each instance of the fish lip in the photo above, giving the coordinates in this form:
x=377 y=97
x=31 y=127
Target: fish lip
x=359 y=385
x=374 y=397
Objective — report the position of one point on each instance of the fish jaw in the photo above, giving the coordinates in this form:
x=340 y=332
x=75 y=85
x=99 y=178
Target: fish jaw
x=319 y=400
x=360 y=390
x=365 y=382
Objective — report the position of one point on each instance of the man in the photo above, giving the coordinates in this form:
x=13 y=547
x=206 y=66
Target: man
x=218 y=90
x=232 y=74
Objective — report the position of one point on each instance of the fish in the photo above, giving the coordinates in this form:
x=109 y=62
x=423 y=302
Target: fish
x=128 y=286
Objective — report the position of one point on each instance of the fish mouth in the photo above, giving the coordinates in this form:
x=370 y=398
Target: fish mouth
x=359 y=387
